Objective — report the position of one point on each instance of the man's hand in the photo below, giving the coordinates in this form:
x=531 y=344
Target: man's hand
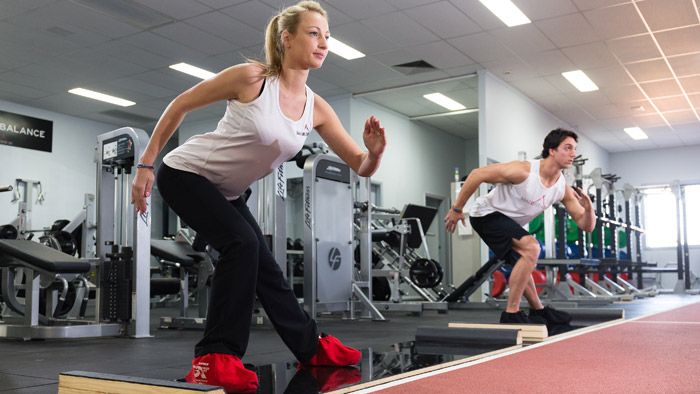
x=452 y=218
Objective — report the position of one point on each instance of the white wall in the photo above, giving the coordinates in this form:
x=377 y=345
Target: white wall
x=66 y=173
x=659 y=166
x=417 y=160
x=509 y=122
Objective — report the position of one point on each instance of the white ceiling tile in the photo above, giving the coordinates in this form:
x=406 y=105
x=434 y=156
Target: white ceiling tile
x=523 y=39
x=482 y=47
x=369 y=68
x=69 y=13
x=663 y=88
x=617 y=21
x=361 y=9
x=681 y=117
x=623 y=94
x=169 y=79
x=648 y=120
x=549 y=62
x=177 y=10
x=224 y=26
x=400 y=29
x=35 y=40
x=584 y=5
x=362 y=38
x=457 y=71
x=666 y=14
x=440 y=54
x=405 y=4
x=589 y=99
x=633 y=49
x=679 y=41
x=222 y=3
x=692 y=127
x=568 y=30
x=145 y=88
x=162 y=46
x=443 y=19
x=685 y=64
x=651 y=70
x=608 y=111
x=9 y=9
x=253 y=13
x=554 y=102
x=695 y=99
x=674 y=103
x=595 y=54
x=335 y=16
x=193 y=38
x=617 y=123
x=609 y=76
x=691 y=84
x=574 y=115
x=14 y=55
x=478 y=13
x=543 y=9
x=667 y=141
x=11 y=90
x=511 y=69
x=535 y=88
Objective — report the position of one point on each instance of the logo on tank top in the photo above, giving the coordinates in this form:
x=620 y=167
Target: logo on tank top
x=305 y=131
x=535 y=202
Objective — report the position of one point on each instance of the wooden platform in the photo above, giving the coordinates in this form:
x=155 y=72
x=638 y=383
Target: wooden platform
x=530 y=332
x=81 y=382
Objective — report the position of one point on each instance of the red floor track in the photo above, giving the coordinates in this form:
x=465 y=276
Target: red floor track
x=656 y=354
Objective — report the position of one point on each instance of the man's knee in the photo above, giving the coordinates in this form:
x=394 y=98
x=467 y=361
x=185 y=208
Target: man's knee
x=529 y=249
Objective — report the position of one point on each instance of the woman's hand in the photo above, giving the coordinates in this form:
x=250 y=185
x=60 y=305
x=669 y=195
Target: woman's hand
x=141 y=189
x=373 y=137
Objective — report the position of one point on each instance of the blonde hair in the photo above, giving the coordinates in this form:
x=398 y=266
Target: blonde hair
x=288 y=19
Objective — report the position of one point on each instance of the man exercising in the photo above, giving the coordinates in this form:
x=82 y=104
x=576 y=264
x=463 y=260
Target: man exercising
x=524 y=189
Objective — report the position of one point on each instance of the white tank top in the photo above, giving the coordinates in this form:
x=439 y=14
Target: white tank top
x=249 y=142
x=521 y=202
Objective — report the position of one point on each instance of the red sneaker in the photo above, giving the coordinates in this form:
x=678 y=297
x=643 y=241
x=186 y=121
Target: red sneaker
x=332 y=353
x=224 y=370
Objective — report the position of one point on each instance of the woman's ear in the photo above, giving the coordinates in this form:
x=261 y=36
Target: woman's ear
x=285 y=39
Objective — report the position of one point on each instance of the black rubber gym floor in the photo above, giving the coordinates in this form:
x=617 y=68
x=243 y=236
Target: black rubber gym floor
x=33 y=366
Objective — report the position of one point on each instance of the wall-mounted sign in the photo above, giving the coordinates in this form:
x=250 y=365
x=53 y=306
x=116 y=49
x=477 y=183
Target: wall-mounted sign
x=25 y=132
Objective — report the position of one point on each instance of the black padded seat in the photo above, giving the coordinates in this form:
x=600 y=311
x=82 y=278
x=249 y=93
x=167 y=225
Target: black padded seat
x=39 y=256
x=176 y=252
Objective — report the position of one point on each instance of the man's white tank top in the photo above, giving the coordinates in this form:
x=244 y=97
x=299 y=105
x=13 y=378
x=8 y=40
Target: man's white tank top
x=249 y=142
x=521 y=202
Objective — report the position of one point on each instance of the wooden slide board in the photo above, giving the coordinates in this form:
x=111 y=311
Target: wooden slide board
x=531 y=332
x=80 y=382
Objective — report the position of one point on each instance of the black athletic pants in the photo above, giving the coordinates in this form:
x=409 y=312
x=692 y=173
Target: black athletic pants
x=245 y=268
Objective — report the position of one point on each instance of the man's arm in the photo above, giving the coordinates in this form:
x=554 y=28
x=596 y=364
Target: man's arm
x=580 y=207
x=513 y=172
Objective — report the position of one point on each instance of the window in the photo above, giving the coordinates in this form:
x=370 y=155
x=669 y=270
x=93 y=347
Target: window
x=660 y=216
x=692 y=213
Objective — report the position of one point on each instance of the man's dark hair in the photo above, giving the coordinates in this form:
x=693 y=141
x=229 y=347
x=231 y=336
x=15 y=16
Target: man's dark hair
x=554 y=138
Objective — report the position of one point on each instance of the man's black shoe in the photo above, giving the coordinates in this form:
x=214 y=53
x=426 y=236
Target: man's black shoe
x=518 y=317
x=550 y=315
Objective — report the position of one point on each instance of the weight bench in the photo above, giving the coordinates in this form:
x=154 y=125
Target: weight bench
x=182 y=255
x=42 y=264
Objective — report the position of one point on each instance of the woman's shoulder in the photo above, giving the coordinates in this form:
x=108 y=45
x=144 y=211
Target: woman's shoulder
x=252 y=71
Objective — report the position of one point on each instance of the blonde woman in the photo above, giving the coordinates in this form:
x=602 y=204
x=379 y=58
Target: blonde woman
x=269 y=114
